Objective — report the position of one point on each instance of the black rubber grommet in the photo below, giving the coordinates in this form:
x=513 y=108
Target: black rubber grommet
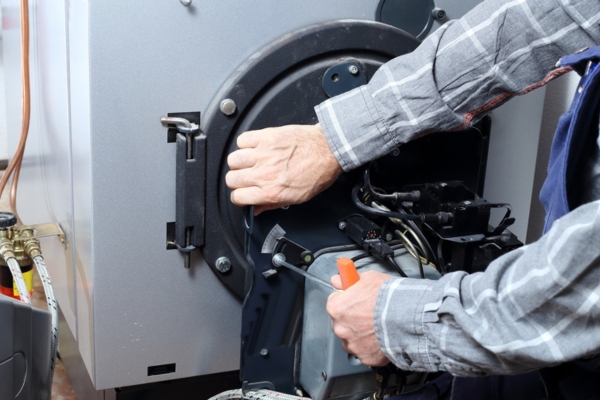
x=7 y=219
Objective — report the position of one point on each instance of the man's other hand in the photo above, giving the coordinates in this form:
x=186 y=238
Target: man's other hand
x=352 y=315
x=275 y=167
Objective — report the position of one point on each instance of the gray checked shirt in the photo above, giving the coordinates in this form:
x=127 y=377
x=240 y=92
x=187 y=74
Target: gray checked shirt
x=536 y=306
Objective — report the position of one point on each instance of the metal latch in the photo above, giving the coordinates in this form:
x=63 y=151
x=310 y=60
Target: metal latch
x=190 y=181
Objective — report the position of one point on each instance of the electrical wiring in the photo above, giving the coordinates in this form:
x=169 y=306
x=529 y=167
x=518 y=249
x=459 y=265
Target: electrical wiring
x=380 y=213
x=429 y=263
x=365 y=255
x=418 y=245
x=415 y=232
x=394 y=264
x=431 y=256
x=411 y=249
x=439 y=217
x=14 y=166
x=503 y=205
x=334 y=249
x=440 y=258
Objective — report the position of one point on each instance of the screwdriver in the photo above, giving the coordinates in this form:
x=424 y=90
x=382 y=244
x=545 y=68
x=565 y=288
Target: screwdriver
x=347 y=271
x=279 y=261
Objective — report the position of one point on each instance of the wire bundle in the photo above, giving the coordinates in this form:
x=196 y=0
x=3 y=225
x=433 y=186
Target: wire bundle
x=418 y=247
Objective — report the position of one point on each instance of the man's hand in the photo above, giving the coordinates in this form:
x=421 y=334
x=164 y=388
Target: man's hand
x=275 y=167
x=352 y=315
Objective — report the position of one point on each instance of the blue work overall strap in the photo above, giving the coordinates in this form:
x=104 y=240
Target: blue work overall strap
x=571 y=134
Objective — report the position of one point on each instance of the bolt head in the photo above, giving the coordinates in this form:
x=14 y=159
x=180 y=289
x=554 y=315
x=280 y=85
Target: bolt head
x=438 y=13
x=186 y=3
x=227 y=107
x=353 y=69
x=264 y=352
x=388 y=237
x=342 y=225
x=396 y=152
x=324 y=375
x=223 y=264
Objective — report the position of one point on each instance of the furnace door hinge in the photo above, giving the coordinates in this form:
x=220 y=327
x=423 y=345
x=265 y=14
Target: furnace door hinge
x=190 y=182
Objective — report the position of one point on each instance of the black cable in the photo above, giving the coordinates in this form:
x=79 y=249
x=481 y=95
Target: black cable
x=442 y=263
x=437 y=218
x=333 y=249
x=381 y=213
x=502 y=205
x=396 y=266
x=431 y=254
x=361 y=256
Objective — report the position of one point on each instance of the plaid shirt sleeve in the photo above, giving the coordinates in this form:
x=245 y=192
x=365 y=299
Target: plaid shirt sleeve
x=498 y=50
x=536 y=306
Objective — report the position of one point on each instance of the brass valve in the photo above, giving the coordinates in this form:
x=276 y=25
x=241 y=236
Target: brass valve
x=20 y=243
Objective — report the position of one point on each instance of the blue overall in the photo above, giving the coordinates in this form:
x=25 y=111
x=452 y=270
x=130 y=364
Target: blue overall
x=559 y=194
x=576 y=380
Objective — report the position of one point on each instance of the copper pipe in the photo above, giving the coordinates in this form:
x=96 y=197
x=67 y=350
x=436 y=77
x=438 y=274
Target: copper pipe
x=15 y=164
x=13 y=190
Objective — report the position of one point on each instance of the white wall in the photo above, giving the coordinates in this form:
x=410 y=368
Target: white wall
x=3 y=140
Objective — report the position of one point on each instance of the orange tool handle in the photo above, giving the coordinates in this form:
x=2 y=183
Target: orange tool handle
x=347 y=272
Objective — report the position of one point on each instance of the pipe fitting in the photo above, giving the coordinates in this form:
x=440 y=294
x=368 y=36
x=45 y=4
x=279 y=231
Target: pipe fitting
x=32 y=248
x=7 y=249
x=31 y=245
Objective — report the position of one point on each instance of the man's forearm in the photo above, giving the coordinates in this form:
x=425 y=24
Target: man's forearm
x=534 y=307
x=500 y=49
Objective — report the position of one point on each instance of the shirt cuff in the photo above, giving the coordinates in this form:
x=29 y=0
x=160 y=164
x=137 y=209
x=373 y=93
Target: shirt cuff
x=353 y=128
x=399 y=323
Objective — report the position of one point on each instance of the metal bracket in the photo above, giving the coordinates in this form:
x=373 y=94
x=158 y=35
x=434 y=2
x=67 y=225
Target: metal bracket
x=343 y=77
x=48 y=229
x=190 y=180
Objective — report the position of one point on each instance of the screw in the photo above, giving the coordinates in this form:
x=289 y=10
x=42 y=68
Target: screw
x=438 y=13
x=388 y=237
x=299 y=392
x=227 y=107
x=353 y=69
x=466 y=202
x=264 y=352
x=186 y=3
x=342 y=225
x=223 y=264
x=307 y=257
x=396 y=152
x=324 y=375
